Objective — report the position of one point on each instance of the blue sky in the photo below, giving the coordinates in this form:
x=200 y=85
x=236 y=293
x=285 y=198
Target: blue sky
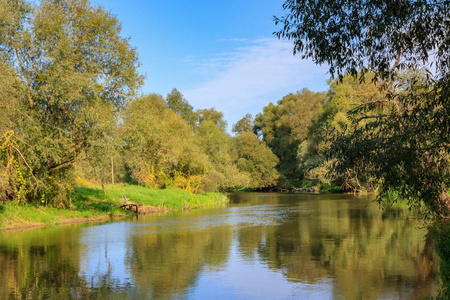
x=217 y=53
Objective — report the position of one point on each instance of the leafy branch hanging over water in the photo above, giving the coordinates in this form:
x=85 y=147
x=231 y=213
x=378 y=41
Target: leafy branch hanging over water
x=404 y=141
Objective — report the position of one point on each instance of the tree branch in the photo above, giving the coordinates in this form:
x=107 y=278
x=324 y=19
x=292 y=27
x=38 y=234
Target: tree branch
x=61 y=165
x=115 y=93
x=25 y=161
x=28 y=77
x=365 y=104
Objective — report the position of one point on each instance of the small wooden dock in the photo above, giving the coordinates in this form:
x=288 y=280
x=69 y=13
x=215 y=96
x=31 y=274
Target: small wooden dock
x=129 y=206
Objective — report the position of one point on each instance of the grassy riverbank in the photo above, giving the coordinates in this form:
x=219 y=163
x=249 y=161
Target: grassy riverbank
x=159 y=199
x=90 y=204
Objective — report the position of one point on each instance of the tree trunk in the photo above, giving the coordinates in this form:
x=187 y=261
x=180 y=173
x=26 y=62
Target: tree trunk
x=445 y=204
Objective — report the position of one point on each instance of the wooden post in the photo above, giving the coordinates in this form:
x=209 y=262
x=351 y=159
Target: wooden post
x=112 y=169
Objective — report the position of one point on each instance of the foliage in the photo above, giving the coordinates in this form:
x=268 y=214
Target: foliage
x=69 y=86
x=212 y=115
x=386 y=37
x=245 y=124
x=256 y=159
x=217 y=145
x=181 y=106
x=328 y=188
x=440 y=234
x=68 y=72
x=165 y=151
x=160 y=145
x=332 y=122
x=401 y=137
x=285 y=125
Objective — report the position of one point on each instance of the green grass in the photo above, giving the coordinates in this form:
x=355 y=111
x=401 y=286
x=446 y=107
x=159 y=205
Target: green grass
x=170 y=198
x=90 y=204
x=13 y=215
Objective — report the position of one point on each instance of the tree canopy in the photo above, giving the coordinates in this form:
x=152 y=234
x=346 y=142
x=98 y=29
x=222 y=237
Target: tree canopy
x=285 y=125
x=67 y=73
x=402 y=135
x=383 y=37
x=244 y=125
x=181 y=106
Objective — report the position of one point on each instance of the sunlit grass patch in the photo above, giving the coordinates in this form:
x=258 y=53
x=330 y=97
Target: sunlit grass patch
x=13 y=215
x=169 y=198
x=89 y=203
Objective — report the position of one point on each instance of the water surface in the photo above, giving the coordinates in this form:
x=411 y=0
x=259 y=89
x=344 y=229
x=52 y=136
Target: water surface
x=261 y=246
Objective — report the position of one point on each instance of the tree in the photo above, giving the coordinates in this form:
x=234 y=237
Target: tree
x=384 y=37
x=212 y=115
x=285 y=125
x=256 y=159
x=405 y=142
x=68 y=71
x=161 y=147
x=181 y=106
x=217 y=144
x=333 y=121
x=244 y=125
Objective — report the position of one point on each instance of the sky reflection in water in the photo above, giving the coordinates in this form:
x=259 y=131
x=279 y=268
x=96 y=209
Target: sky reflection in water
x=262 y=246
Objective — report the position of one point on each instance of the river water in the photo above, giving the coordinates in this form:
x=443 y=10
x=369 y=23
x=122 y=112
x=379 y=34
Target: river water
x=260 y=246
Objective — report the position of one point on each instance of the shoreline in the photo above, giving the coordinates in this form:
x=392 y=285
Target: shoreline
x=90 y=205
x=25 y=226
x=150 y=210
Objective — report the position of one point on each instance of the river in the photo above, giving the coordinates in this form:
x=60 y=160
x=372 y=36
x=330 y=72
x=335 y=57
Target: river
x=260 y=246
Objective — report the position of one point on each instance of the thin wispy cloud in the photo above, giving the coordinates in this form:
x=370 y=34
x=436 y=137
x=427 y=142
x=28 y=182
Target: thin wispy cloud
x=247 y=79
x=233 y=40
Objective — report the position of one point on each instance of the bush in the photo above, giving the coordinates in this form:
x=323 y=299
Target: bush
x=328 y=188
x=440 y=234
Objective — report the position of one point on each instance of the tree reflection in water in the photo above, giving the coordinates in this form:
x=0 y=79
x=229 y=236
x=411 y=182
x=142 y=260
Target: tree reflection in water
x=261 y=246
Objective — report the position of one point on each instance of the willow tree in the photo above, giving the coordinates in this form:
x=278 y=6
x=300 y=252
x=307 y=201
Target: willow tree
x=69 y=71
x=181 y=106
x=255 y=159
x=217 y=144
x=161 y=146
x=405 y=142
x=284 y=126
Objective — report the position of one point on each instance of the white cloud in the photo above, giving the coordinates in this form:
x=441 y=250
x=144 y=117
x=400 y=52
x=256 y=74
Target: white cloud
x=233 y=40
x=247 y=79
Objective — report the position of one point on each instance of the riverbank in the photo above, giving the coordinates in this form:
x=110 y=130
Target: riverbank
x=89 y=204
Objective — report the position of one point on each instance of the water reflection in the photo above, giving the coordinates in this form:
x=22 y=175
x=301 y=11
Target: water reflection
x=262 y=246
x=104 y=252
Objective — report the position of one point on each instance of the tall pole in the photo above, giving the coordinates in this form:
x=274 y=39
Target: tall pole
x=112 y=170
